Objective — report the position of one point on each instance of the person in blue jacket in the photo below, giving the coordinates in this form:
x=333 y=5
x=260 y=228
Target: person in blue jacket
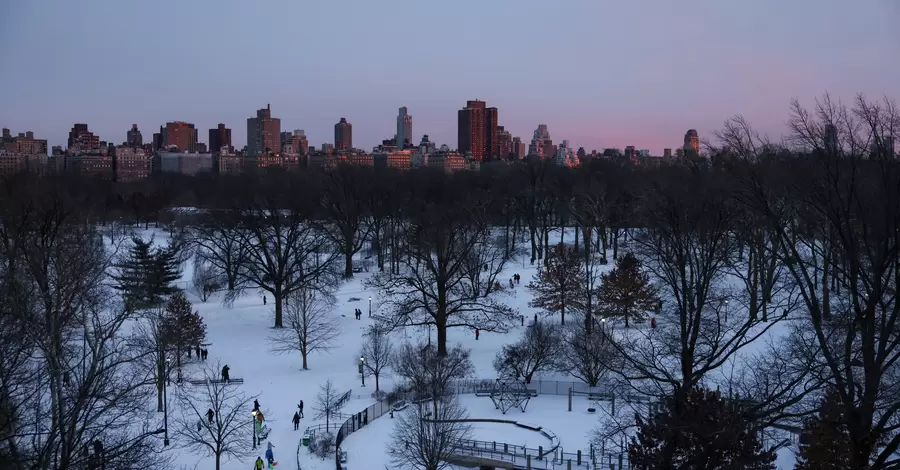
x=270 y=456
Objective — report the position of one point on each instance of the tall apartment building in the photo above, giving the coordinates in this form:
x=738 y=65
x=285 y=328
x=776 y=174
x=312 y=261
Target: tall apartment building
x=130 y=164
x=404 y=129
x=541 y=144
x=263 y=133
x=81 y=139
x=23 y=144
x=134 y=138
x=692 y=141
x=180 y=135
x=343 y=136
x=220 y=138
x=294 y=142
x=519 y=148
x=504 y=143
x=491 y=143
x=472 y=130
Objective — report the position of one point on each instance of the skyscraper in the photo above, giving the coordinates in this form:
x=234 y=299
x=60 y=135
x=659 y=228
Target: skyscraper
x=541 y=144
x=491 y=144
x=519 y=149
x=133 y=137
x=831 y=139
x=404 y=129
x=343 y=136
x=182 y=135
x=471 y=130
x=692 y=141
x=504 y=143
x=218 y=138
x=263 y=133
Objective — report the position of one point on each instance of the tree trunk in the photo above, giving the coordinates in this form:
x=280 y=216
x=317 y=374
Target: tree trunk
x=278 y=306
x=348 y=264
x=160 y=384
x=218 y=460
x=305 y=366
x=377 y=385
x=441 y=327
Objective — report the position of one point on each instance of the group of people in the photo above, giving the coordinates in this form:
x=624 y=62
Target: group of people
x=201 y=352
x=357 y=313
x=270 y=459
x=297 y=415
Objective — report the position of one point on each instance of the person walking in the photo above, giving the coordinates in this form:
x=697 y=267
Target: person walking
x=300 y=406
x=270 y=456
x=264 y=299
x=209 y=415
x=255 y=405
x=259 y=465
x=477 y=332
x=225 y=370
x=296 y=420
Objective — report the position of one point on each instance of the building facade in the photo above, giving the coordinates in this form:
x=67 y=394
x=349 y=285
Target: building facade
x=131 y=164
x=343 y=136
x=81 y=139
x=692 y=141
x=219 y=139
x=471 y=129
x=134 y=138
x=541 y=144
x=24 y=143
x=263 y=133
x=404 y=136
x=179 y=136
x=186 y=163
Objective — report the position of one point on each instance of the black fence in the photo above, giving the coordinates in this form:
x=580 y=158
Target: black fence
x=359 y=420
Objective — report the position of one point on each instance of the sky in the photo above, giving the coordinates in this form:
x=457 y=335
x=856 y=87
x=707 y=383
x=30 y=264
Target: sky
x=599 y=73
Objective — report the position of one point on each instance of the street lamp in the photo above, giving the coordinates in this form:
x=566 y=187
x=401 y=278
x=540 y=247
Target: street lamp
x=362 y=361
x=253 y=428
x=166 y=404
x=370 y=307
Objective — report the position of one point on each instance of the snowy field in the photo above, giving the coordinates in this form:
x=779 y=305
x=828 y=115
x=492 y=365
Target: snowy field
x=238 y=337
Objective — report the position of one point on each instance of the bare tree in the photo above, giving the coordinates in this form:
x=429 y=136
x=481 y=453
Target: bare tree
x=587 y=356
x=206 y=279
x=311 y=326
x=377 y=351
x=428 y=441
x=430 y=375
x=538 y=351
x=286 y=250
x=217 y=240
x=85 y=385
x=483 y=266
x=344 y=201
x=836 y=216
x=230 y=431
x=328 y=403
x=150 y=337
x=432 y=287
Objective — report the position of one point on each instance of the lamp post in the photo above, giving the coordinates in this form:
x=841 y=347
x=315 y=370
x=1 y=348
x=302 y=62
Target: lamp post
x=166 y=404
x=370 y=307
x=253 y=427
x=362 y=361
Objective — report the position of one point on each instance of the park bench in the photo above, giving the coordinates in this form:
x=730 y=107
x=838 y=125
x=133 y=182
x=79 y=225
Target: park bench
x=234 y=381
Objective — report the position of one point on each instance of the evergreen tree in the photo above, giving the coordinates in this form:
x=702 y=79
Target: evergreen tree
x=626 y=292
x=704 y=432
x=147 y=275
x=825 y=441
x=557 y=287
x=182 y=328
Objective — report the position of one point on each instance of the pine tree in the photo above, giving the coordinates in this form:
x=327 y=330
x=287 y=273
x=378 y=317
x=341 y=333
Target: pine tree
x=626 y=292
x=825 y=441
x=182 y=328
x=557 y=287
x=147 y=275
x=704 y=432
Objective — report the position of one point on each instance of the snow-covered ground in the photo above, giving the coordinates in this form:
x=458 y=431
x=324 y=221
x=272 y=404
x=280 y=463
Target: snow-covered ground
x=238 y=336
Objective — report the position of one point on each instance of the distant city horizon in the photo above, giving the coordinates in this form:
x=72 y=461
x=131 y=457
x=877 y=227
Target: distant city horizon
x=608 y=76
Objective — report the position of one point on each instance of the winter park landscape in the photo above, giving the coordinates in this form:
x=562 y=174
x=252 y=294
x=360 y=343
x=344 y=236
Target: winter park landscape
x=519 y=317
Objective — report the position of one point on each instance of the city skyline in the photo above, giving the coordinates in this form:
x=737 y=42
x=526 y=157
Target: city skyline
x=595 y=90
